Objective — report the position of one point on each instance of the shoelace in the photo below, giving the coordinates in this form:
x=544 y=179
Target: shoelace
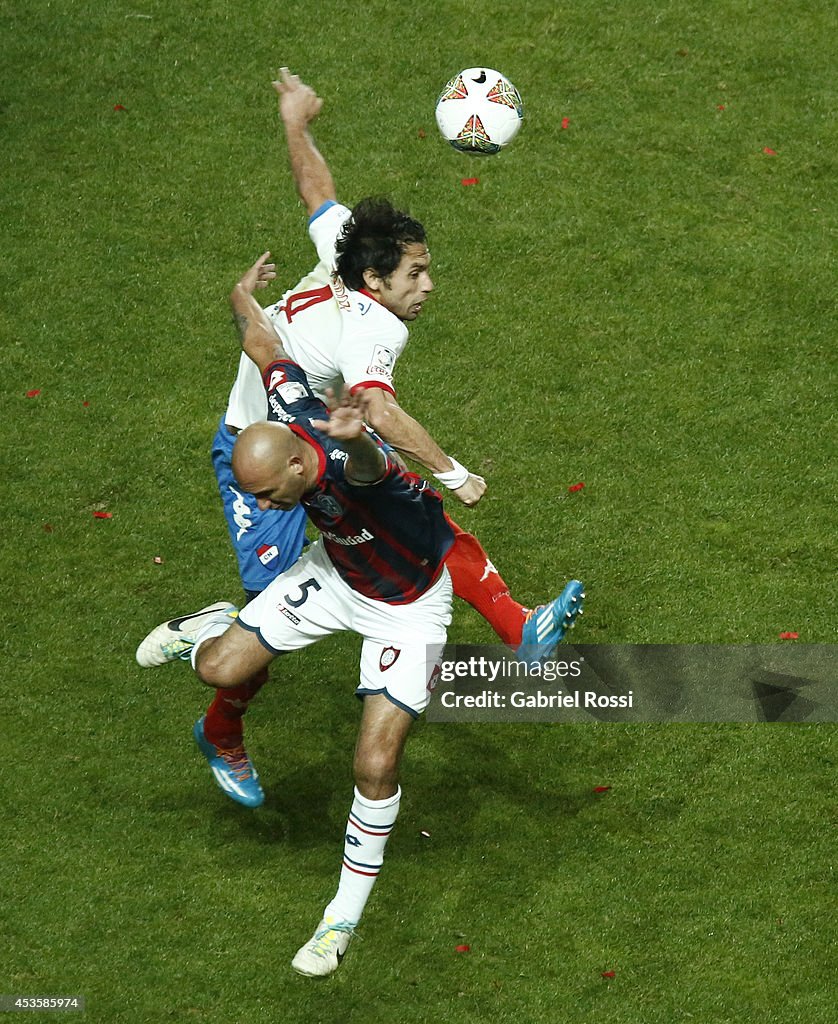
x=324 y=941
x=237 y=761
x=177 y=648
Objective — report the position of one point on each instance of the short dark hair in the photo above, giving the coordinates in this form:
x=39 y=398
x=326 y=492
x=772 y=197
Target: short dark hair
x=374 y=238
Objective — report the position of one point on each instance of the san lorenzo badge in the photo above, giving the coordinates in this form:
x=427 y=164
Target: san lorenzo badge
x=389 y=657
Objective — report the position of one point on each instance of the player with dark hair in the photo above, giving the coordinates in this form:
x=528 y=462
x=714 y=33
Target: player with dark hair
x=374 y=238
x=346 y=323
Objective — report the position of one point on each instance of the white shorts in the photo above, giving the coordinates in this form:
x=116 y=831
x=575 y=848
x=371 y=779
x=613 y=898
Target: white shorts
x=402 y=643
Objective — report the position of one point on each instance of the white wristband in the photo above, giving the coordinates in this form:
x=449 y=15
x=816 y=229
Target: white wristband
x=455 y=477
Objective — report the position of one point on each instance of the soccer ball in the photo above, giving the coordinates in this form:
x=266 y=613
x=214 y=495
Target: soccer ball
x=479 y=111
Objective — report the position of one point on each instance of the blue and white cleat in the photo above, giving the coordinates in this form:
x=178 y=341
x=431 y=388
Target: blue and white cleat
x=546 y=625
x=175 y=638
x=323 y=952
x=232 y=768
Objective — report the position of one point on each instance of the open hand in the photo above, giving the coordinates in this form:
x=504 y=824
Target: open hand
x=259 y=275
x=346 y=418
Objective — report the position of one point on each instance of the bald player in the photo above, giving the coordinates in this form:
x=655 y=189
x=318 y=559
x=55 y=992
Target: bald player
x=378 y=569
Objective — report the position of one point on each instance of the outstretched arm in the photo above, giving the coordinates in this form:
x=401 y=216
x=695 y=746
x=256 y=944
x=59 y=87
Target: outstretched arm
x=299 y=104
x=258 y=337
x=399 y=429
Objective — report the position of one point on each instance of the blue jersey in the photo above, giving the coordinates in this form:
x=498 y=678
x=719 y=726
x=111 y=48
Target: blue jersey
x=387 y=540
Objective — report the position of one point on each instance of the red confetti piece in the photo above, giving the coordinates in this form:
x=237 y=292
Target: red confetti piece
x=769 y=152
x=470 y=181
x=103 y=515
x=33 y=393
x=86 y=405
x=576 y=487
x=565 y=123
x=609 y=974
x=721 y=106
x=789 y=636
x=463 y=949
x=119 y=106
x=601 y=789
x=48 y=527
x=158 y=560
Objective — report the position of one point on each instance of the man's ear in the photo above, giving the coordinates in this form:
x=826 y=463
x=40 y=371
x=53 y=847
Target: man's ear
x=372 y=282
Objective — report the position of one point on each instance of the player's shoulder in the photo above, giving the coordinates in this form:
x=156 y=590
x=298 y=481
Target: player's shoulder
x=369 y=317
x=328 y=219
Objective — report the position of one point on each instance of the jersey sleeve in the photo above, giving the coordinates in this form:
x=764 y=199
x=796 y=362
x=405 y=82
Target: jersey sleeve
x=289 y=396
x=370 y=347
x=324 y=227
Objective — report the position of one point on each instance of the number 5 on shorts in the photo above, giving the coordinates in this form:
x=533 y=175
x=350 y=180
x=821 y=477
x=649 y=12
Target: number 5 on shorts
x=305 y=586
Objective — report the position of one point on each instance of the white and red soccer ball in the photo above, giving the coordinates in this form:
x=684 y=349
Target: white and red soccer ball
x=479 y=111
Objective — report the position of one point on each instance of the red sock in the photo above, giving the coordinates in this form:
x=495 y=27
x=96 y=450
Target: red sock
x=477 y=581
x=223 y=724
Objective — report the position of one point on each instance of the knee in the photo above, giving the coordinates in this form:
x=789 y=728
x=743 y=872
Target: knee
x=215 y=668
x=377 y=774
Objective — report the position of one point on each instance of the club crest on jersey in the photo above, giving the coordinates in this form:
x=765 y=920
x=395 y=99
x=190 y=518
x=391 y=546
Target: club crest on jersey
x=267 y=553
x=389 y=657
x=327 y=504
x=277 y=378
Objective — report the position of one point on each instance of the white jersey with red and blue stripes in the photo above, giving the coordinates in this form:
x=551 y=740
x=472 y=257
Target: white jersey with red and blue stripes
x=387 y=540
x=338 y=336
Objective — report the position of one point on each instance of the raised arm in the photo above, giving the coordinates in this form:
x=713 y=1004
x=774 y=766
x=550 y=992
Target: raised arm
x=299 y=104
x=367 y=463
x=399 y=429
x=258 y=337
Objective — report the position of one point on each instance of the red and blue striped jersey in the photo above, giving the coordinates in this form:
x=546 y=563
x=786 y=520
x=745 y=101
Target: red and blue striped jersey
x=387 y=540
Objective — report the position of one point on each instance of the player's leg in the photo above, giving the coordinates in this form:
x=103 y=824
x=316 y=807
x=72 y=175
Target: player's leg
x=396 y=680
x=298 y=608
x=375 y=806
x=477 y=581
x=533 y=632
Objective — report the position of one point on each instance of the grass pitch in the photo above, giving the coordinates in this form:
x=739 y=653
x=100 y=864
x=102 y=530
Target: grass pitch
x=641 y=301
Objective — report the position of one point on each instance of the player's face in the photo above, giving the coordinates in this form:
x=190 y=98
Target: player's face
x=280 y=489
x=405 y=290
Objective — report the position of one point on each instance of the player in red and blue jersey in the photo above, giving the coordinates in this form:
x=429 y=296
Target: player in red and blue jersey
x=402 y=555
x=378 y=569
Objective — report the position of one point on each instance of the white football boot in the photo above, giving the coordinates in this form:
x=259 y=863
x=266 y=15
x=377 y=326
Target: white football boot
x=175 y=638
x=323 y=952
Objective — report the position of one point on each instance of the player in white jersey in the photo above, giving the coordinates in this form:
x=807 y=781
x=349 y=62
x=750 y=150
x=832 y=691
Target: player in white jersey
x=346 y=323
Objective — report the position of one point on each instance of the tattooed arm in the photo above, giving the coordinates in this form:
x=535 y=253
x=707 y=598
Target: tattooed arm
x=258 y=337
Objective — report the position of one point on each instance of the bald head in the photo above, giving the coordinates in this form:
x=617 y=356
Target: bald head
x=273 y=464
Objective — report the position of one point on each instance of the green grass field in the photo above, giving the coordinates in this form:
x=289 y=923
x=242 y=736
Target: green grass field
x=642 y=301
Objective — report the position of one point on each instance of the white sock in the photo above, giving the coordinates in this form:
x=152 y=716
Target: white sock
x=212 y=628
x=367 y=831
